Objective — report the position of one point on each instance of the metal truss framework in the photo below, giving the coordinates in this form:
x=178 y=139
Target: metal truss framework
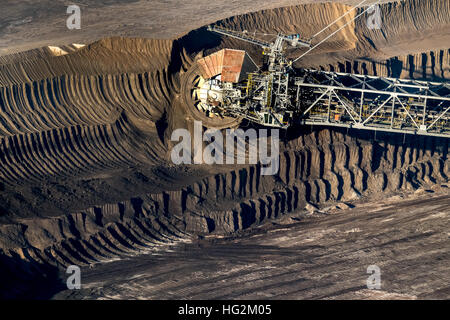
x=374 y=103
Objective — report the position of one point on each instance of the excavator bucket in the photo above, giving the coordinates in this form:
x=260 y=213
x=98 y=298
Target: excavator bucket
x=232 y=65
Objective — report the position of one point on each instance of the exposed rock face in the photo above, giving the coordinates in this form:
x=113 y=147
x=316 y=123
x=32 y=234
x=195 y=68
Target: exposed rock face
x=315 y=168
x=432 y=65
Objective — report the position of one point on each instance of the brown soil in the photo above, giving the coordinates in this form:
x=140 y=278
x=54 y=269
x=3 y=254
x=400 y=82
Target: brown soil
x=85 y=171
x=304 y=256
x=35 y=24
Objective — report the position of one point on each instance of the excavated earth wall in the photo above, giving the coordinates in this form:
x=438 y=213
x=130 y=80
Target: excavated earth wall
x=85 y=172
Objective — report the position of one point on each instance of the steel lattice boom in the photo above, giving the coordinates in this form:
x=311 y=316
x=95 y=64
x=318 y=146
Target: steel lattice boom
x=374 y=103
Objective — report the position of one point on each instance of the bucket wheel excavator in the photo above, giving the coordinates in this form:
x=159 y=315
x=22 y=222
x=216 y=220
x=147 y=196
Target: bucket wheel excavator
x=229 y=85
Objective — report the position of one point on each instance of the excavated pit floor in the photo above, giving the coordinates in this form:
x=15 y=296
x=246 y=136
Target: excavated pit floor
x=322 y=256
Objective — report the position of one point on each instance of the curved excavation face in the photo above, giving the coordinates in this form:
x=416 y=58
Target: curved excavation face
x=197 y=93
x=86 y=174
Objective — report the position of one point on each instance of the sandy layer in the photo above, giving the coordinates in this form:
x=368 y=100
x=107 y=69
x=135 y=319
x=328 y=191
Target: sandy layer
x=32 y=24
